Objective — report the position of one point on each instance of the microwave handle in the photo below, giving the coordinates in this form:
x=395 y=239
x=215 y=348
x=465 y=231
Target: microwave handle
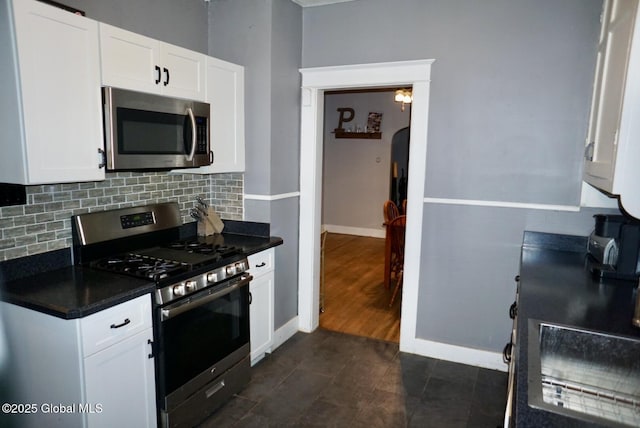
x=193 y=134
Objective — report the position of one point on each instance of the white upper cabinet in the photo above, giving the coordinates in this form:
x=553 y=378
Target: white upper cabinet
x=612 y=153
x=225 y=94
x=139 y=63
x=50 y=98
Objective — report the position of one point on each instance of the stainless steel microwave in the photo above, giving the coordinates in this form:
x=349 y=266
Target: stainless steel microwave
x=144 y=131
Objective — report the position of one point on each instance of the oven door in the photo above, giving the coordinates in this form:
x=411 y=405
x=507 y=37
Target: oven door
x=201 y=337
x=144 y=131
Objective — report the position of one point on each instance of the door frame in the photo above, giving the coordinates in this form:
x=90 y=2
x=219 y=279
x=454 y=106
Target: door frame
x=314 y=82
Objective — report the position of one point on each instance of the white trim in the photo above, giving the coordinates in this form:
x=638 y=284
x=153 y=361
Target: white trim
x=457 y=354
x=271 y=197
x=314 y=3
x=284 y=333
x=366 y=75
x=591 y=197
x=314 y=82
x=501 y=204
x=415 y=193
x=358 y=231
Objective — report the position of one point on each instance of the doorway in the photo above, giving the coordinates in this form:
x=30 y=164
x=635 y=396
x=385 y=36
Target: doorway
x=314 y=82
x=365 y=157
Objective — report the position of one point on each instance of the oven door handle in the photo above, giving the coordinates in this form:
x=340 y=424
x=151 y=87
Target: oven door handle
x=181 y=307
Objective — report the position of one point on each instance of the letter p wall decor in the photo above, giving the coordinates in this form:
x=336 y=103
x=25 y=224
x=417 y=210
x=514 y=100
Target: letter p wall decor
x=346 y=115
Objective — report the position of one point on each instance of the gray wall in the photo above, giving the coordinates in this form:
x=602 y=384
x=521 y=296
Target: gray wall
x=356 y=172
x=509 y=102
x=183 y=23
x=511 y=85
x=240 y=32
x=266 y=38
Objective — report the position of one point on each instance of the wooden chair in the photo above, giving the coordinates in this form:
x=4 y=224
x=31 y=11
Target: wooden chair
x=404 y=206
x=390 y=211
x=397 y=229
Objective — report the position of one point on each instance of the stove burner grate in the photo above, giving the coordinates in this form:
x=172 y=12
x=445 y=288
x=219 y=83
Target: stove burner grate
x=142 y=266
x=198 y=247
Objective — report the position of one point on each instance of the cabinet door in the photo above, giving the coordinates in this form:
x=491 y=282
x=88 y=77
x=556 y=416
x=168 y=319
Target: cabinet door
x=59 y=69
x=129 y=60
x=183 y=72
x=120 y=379
x=261 y=315
x=608 y=97
x=132 y=61
x=225 y=94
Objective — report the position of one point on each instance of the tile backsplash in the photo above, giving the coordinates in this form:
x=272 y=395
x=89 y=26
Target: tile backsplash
x=44 y=223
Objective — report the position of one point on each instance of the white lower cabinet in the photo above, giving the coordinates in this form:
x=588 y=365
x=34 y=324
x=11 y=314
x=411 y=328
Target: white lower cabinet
x=262 y=301
x=121 y=380
x=96 y=371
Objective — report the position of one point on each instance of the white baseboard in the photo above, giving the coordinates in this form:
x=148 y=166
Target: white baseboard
x=284 y=333
x=425 y=348
x=359 y=231
x=456 y=354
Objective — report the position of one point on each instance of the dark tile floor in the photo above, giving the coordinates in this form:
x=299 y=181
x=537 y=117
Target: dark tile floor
x=327 y=379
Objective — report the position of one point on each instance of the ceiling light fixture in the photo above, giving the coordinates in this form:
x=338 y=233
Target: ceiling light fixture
x=403 y=96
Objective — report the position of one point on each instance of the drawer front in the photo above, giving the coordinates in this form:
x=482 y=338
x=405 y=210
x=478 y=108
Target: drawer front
x=112 y=325
x=261 y=262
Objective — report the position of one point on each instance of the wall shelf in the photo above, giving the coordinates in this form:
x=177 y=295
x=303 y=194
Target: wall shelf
x=363 y=135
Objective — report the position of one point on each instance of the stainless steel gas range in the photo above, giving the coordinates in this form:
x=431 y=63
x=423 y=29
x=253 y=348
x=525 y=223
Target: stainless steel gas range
x=201 y=303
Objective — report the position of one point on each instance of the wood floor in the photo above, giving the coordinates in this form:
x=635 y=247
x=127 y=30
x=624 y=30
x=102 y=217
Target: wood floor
x=355 y=299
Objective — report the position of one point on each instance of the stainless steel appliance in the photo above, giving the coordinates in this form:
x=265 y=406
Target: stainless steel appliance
x=144 y=131
x=614 y=247
x=201 y=303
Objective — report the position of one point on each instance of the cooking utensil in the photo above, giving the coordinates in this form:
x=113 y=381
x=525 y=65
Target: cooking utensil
x=202 y=202
x=202 y=211
x=194 y=213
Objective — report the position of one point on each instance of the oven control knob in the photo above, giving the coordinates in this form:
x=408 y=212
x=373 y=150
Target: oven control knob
x=179 y=290
x=239 y=267
x=190 y=286
x=231 y=270
x=212 y=277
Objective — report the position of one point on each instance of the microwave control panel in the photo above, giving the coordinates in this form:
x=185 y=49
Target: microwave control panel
x=202 y=137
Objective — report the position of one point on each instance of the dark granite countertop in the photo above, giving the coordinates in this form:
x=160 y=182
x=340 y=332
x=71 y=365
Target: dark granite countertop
x=49 y=283
x=74 y=291
x=556 y=286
